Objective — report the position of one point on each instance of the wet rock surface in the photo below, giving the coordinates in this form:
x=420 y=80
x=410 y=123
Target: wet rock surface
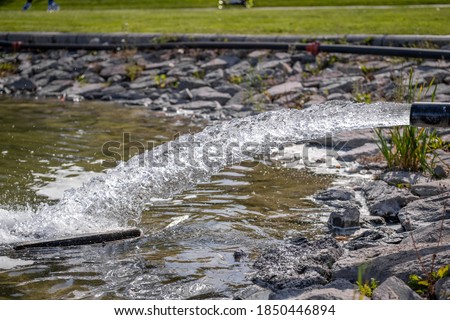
x=382 y=249
x=297 y=264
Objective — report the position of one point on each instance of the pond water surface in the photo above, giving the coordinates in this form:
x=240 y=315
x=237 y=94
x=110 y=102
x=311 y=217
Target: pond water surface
x=188 y=251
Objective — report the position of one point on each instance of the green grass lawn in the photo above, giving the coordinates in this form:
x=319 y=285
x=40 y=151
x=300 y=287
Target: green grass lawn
x=155 y=4
x=106 y=16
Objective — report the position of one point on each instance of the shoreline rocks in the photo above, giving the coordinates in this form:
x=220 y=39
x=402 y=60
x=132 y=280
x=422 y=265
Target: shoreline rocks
x=242 y=82
x=389 y=253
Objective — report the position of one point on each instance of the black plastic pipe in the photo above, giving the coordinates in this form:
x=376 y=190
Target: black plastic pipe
x=314 y=48
x=82 y=239
x=429 y=114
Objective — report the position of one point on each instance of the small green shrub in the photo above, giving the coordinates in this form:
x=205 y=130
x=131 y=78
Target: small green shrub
x=235 y=79
x=425 y=286
x=161 y=80
x=133 y=71
x=7 y=68
x=410 y=148
x=199 y=74
x=366 y=287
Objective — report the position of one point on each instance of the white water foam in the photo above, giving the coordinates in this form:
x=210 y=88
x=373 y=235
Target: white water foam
x=118 y=198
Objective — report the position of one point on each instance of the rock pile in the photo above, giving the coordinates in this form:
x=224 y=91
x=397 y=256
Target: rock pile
x=216 y=84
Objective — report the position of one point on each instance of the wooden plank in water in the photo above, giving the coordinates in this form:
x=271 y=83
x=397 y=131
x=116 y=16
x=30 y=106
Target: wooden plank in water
x=83 y=239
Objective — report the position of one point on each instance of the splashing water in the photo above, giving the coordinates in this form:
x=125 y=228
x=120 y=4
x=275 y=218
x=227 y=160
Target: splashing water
x=116 y=199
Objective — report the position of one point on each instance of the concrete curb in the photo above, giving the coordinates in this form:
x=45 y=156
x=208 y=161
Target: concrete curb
x=141 y=38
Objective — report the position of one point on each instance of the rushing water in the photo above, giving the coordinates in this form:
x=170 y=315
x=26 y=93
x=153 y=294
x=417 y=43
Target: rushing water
x=191 y=232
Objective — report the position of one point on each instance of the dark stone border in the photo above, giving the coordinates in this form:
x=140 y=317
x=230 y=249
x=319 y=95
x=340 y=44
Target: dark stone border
x=145 y=38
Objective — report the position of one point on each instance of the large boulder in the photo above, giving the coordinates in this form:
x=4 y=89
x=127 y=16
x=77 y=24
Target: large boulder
x=385 y=200
x=432 y=188
x=345 y=220
x=298 y=265
x=339 y=289
x=430 y=243
x=394 y=289
x=424 y=211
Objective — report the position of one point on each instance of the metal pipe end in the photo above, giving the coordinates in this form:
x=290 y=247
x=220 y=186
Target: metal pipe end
x=430 y=114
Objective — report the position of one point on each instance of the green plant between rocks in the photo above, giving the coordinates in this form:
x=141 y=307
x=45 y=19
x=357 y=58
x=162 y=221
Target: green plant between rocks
x=133 y=71
x=7 y=68
x=426 y=286
x=366 y=287
x=410 y=148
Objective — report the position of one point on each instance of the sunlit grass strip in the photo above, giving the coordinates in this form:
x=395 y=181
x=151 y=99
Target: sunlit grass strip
x=323 y=21
x=158 y=4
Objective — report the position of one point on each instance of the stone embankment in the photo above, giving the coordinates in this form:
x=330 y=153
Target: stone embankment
x=407 y=214
x=216 y=84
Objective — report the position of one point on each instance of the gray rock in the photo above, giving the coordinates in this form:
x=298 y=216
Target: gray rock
x=337 y=96
x=160 y=65
x=284 y=89
x=44 y=65
x=424 y=75
x=258 y=54
x=116 y=78
x=356 y=154
x=273 y=64
x=394 y=289
x=26 y=67
x=435 y=232
x=80 y=89
x=407 y=178
x=384 y=261
x=90 y=77
x=341 y=85
x=59 y=75
x=191 y=83
x=424 y=211
x=113 y=70
x=114 y=90
x=136 y=85
x=344 y=221
x=209 y=94
x=205 y=105
x=220 y=63
x=442 y=289
x=297 y=265
x=253 y=292
x=214 y=76
x=447 y=80
x=56 y=86
x=431 y=188
x=372 y=221
x=373 y=237
x=441 y=89
x=440 y=172
x=349 y=139
x=22 y=84
x=385 y=200
x=335 y=194
x=239 y=69
x=339 y=289
x=315 y=99
x=230 y=89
